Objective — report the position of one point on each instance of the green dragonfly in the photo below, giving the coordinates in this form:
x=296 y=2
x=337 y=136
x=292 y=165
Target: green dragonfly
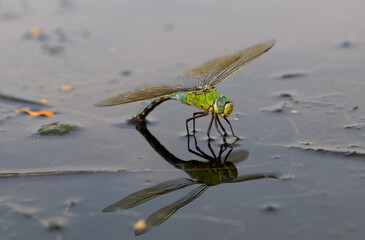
x=198 y=89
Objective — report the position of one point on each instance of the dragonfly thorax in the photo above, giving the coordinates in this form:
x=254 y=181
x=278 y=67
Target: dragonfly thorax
x=210 y=100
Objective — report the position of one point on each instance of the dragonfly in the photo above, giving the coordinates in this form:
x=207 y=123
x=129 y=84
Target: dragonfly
x=198 y=89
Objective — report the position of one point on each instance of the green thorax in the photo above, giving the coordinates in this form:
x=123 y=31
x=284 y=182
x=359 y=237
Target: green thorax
x=202 y=100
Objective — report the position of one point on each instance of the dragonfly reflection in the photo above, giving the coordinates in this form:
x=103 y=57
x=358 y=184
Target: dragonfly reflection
x=220 y=168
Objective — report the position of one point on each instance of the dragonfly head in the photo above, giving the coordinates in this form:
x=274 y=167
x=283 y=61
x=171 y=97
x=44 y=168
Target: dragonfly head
x=223 y=106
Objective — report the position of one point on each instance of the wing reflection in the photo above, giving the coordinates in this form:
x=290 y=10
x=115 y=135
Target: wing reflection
x=220 y=168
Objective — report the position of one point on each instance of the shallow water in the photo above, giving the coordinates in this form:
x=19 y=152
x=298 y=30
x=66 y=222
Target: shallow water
x=299 y=111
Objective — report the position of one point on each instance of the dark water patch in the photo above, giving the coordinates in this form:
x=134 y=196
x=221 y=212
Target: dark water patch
x=66 y=6
x=126 y=73
x=53 y=49
x=13 y=10
x=346 y=44
x=286 y=75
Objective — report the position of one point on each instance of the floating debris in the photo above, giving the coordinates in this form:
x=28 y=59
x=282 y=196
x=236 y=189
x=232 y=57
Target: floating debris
x=270 y=207
x=287 y=177
x=277 y=108
x=56 y=223
x=285 y=94
x=345 y=151
x=66 y=88
x=290 y=74
x=46 y=113
x=359 y=125
x=21 y=98
x=37 y=33
x=140 y=226
x=71 y=203
x=58 y=128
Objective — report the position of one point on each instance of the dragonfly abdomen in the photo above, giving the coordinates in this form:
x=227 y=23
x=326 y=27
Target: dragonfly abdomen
x=148 y=108
x=200 y=99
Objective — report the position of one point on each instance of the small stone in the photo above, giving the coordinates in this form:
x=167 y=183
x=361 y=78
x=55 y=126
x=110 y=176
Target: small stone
x=58 y=128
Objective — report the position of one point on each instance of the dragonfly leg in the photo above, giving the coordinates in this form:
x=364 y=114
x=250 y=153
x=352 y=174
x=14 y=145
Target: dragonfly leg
x=230 y=127
x=196 y=113
x=202 y=114
x=198 y=151
x=210 y=126
x=216 y=124
x=220 y=124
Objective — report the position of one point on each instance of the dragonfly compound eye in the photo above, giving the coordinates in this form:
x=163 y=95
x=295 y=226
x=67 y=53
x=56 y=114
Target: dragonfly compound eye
x=223 y=106
x=228 y=108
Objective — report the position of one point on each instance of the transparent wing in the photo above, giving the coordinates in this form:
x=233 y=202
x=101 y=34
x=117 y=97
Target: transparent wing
x=147 y=194
x=220 y=69
x=145 y=93
x=164 y=213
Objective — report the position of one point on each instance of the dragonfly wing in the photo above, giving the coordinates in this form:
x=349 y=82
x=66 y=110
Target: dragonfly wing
x=147 y=194
x=219 y=69
x=164 y=213
x=144 y=93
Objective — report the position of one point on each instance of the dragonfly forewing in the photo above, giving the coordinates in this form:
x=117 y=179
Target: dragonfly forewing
x=145 y=93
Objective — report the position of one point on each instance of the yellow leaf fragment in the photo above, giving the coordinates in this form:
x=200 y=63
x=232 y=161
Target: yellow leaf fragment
x=46 y=113
x=43 y=101
x=140 y=225
x=294 y=111
x=36 y=32
x=66 y=88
